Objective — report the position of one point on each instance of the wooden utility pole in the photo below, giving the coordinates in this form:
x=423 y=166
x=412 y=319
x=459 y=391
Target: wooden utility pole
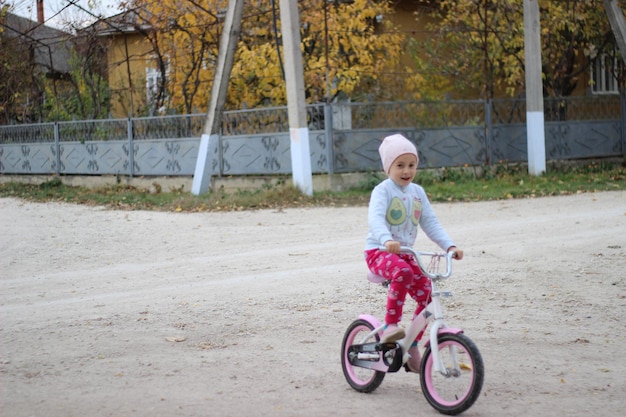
x=294 y=77
x=535 y=132
x=210 y=137
x=616 y=18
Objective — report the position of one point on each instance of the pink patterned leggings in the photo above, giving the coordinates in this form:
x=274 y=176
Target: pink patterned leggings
x=406 y=278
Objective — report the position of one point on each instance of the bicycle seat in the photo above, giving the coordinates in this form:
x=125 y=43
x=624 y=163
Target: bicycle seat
x=377 y=279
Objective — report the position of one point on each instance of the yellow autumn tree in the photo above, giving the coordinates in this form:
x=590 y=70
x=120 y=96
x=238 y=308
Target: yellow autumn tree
x=349 y=50
x=352 y=49
x=184 y=38
x=478 y=45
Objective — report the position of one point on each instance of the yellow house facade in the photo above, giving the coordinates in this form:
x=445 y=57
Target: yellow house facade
x=129 y=63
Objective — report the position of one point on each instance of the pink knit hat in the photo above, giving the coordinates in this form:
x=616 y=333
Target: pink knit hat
x=392 y=147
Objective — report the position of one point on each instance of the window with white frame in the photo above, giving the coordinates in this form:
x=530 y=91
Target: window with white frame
x=153 y=78
x=154 y=81
x=603 y=75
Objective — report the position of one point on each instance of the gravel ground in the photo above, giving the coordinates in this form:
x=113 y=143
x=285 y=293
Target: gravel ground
x=114 y=313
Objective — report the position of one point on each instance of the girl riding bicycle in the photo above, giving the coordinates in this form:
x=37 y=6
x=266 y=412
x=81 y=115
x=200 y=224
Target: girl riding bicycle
x=397 y=207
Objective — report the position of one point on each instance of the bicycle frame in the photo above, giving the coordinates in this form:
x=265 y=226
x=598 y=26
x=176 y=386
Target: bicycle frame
x=432 y=314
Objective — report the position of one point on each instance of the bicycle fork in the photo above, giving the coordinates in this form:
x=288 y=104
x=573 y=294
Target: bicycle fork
x=437 y=329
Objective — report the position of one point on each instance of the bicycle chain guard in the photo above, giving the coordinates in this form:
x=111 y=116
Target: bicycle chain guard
x=391 y=355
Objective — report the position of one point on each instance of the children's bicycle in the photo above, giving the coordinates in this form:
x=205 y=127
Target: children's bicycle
x=451 y=369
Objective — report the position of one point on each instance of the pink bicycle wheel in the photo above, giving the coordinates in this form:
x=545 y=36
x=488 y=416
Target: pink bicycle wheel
x=460 y=387
x=359 y=378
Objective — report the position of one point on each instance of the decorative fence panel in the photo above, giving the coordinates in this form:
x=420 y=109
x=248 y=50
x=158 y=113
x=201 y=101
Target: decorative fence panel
x=93 y=157
x=268 y=154
x=28 y=158
x=509 y=143
x=575 y=140
x=163 y=157
x=358 y=150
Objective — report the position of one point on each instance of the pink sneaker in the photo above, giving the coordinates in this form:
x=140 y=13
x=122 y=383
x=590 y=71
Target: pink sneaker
x=415 y=361
x=392 y=333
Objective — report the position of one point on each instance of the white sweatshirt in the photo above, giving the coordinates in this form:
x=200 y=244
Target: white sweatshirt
x=395 y=213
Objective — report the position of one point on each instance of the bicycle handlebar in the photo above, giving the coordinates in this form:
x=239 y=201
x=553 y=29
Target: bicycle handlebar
x=416 y=254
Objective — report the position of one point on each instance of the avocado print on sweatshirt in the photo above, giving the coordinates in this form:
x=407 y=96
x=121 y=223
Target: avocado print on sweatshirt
x=397 y=212
x=416 y=211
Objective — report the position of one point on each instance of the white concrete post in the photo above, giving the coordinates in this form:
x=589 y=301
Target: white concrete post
x=210 y=137
x=535 y=131
x=294 y=74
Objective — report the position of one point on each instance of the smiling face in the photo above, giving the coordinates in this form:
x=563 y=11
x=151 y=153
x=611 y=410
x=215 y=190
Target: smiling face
x=403 y=169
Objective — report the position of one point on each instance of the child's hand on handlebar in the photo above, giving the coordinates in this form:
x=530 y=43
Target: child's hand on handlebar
x=393 y=246
x=458 y=253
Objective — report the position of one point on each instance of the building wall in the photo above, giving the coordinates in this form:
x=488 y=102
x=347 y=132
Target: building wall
x=128 y=57
x=405 y=17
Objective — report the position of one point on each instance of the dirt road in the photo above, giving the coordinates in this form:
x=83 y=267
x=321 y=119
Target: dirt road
x=113 y=313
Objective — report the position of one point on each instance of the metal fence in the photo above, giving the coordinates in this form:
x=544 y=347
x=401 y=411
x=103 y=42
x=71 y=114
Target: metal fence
x=344 y=137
